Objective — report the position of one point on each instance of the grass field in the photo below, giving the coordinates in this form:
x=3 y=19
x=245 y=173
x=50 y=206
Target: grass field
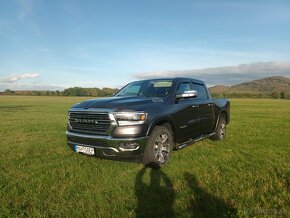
x=246 y=175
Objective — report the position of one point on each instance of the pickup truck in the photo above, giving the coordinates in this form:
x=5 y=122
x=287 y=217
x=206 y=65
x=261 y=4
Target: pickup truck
x=147 y=120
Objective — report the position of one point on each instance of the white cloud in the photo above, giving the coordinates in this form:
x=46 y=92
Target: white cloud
x=15 y=78
x=227 y=75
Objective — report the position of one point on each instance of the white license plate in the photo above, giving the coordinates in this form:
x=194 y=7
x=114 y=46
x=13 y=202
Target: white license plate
x=84 y=150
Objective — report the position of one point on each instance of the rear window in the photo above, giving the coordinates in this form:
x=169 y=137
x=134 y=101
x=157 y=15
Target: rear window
x=162 y=84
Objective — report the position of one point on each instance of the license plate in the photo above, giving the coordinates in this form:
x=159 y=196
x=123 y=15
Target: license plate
x=84 y=150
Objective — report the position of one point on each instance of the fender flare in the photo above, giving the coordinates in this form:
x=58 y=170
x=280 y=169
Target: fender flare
x=163 y=119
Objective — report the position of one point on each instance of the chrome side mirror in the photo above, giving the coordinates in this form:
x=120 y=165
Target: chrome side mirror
x=187 y=94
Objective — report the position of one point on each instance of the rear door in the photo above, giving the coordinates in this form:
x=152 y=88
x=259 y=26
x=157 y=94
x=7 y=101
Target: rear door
x=205 y=110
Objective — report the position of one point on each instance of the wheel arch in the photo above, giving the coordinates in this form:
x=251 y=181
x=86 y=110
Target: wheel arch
x=164 y=121
x=219 y=115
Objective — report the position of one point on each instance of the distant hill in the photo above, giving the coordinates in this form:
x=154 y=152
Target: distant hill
x=275 y=86
x=219 y=89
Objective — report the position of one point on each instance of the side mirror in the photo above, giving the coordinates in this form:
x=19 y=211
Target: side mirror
x=187 y=94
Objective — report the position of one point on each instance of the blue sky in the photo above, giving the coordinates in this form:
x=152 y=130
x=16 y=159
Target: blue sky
x=60 y=43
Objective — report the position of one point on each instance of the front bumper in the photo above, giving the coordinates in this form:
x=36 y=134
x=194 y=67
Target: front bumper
x=107 y=146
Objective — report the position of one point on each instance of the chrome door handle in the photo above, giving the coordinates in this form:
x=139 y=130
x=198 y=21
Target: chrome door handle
x=194 y=106
x=210 y=104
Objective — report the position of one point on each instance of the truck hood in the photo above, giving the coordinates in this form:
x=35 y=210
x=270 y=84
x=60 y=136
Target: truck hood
x=117 y=103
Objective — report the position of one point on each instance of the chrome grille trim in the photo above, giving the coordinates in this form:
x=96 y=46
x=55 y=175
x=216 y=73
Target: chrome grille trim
x=90 y=121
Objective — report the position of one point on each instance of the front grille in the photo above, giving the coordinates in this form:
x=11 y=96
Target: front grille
x=90 y=122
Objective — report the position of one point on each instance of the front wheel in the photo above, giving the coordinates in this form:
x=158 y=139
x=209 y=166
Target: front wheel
x=221 y=130
x=159 y=147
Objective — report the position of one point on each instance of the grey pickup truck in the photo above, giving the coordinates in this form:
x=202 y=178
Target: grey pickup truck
x=147 y=120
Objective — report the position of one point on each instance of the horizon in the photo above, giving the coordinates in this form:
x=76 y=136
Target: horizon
x=217 y=85
x=53 y=45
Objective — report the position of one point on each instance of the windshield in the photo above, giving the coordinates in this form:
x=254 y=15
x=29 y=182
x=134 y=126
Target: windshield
x=147 y=88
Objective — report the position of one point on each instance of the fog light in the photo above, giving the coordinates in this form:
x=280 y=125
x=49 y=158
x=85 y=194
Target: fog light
x=129 y=146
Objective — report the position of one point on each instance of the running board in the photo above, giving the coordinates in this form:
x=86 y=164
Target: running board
x=191 y=141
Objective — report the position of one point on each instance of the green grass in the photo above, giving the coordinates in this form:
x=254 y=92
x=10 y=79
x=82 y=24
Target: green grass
x=246 y=175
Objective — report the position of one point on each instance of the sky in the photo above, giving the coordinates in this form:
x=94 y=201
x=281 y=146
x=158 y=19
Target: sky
x=57 y=44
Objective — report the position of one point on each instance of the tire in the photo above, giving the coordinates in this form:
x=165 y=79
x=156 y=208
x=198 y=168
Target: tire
x=221 y=130
x=158 y=148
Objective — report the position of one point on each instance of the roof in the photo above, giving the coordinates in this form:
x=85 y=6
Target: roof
x=176 y=78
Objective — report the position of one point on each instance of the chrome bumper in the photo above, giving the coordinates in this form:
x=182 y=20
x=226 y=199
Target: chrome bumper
x=107 y=146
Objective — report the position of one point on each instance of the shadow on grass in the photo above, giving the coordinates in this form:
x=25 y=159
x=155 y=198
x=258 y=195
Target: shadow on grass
x=203 y=204
x=156 y=198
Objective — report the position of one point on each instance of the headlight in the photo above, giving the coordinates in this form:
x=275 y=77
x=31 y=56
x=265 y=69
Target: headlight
x=130 y=118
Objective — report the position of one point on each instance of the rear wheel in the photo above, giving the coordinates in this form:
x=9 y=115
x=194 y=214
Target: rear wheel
x=221 y=130
x=159 y=147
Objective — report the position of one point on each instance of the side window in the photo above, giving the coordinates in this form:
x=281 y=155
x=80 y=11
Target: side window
x=185 y=86
x=201 y=91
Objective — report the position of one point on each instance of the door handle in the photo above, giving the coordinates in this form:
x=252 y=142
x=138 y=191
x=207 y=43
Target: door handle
x=194 y=106
x=210 y=104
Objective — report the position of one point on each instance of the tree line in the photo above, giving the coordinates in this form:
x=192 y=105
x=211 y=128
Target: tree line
x=104 y=92
x=74 y=91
